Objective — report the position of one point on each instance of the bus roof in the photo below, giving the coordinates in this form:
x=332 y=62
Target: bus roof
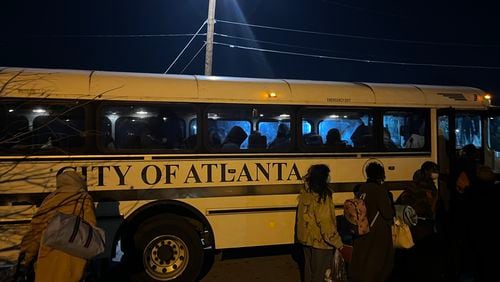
x=102 y=85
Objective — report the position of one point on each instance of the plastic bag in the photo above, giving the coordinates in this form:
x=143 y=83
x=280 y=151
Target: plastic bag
x=337 y=271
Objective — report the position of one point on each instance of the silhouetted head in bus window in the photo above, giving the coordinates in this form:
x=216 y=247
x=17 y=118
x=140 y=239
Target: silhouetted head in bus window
x=172 y=133
x=470 y=152
x=257 y=141
x=282 y=137
x=234 y=138
x=214 y=137
x=388 y=143
x=362 y=137
x=334 y=140
x=375 y=172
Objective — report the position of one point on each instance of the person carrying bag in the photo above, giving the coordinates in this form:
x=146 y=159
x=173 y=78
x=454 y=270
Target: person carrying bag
x=52 y=264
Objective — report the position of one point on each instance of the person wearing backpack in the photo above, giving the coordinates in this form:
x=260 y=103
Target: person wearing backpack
x=316 y=227
x=424 y=260
x=51 y=264
x=373 y=253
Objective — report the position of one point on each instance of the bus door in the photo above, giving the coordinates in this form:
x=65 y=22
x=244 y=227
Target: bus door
x=492 y=140
x=456 y=129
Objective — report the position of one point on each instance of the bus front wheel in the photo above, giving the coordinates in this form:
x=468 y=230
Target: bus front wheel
x=169 y=249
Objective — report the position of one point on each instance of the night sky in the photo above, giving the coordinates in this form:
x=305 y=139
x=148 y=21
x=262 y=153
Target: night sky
x=423 y=42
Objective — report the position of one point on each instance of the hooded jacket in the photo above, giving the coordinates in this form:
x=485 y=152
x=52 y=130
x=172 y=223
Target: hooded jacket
x=316 y=222
x=421 y=195
x=70 y=197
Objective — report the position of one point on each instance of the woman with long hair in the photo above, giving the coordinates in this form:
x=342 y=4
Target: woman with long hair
x=316 y=227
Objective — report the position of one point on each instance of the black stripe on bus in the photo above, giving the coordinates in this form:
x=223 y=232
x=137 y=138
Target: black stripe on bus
x=247 y=155
x=294 y=155
x=250 y=210
x=189 y=192
x=63 y=159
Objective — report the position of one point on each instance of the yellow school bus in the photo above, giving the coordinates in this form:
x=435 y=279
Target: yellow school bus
x=181 y=165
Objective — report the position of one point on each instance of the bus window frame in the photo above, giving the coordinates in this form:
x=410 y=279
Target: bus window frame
x=314 y=128
x=451 y=145
x=427 y=137
x=143 y=151
x=83 y=103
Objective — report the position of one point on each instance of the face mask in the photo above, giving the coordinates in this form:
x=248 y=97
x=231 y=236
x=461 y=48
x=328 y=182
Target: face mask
x=434 y=175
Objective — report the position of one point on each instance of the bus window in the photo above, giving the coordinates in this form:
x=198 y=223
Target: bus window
x=249 y=127
x=146 y=127
x=229 y=126
x=444 y=127
x=43 y=127
x=404 y=129
x=14 y=129
x=494 y=136
x=468 y=130
x=352 y=127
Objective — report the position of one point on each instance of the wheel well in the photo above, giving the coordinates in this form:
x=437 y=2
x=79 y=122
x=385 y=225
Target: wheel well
x=168 y=207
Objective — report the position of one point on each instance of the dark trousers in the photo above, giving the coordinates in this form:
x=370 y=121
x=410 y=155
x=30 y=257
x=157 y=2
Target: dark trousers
x=316 y=262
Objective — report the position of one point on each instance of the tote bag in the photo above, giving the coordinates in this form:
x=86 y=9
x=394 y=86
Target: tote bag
x=401 y=235
x=73 y=235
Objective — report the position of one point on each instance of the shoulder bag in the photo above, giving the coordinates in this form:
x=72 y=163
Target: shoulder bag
x=401 y=235
x=73 y=235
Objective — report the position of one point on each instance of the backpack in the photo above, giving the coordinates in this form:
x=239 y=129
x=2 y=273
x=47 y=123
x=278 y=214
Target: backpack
x=355 y=213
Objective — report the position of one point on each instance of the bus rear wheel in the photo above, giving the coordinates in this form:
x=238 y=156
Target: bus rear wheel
x=169 y=249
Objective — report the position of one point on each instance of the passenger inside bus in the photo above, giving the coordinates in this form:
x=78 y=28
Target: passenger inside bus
x=282 y=137
x=333 y=140
x=417 y=138
x=388 y=143
x=313 y=139
x=362 y=137
x=257 y=141
x=234 y=138
x=190 y=142
x=172 y=134
x=214 y=137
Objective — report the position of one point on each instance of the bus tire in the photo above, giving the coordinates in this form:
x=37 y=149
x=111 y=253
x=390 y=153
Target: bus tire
x=168 y=249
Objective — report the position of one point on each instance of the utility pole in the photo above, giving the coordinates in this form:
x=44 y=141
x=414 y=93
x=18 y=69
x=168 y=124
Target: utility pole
x=209 y=49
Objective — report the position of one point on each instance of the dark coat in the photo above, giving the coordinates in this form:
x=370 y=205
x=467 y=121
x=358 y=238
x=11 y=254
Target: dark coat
x=373 y=254
x=422 y=196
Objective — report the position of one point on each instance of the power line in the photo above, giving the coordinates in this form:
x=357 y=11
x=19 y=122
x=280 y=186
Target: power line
x=360 y=36
x=195 y=55
x=355 y=59
x=185 y=47
x=119 y=35
x=279 y=44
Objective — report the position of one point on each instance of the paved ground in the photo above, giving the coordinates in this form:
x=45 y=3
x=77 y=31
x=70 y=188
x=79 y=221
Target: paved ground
x=255 y=264
x=245 y=265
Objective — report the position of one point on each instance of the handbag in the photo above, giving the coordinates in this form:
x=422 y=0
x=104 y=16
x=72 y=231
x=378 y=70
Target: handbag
x=73 y=235
x=401 y=235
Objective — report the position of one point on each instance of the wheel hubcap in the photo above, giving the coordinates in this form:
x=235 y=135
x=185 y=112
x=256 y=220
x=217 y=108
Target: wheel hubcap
x=165 y=257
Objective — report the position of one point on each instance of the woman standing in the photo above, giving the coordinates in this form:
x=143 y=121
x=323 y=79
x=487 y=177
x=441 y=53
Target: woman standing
x=373 y=254
x=316 y=224
x=51 y=264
